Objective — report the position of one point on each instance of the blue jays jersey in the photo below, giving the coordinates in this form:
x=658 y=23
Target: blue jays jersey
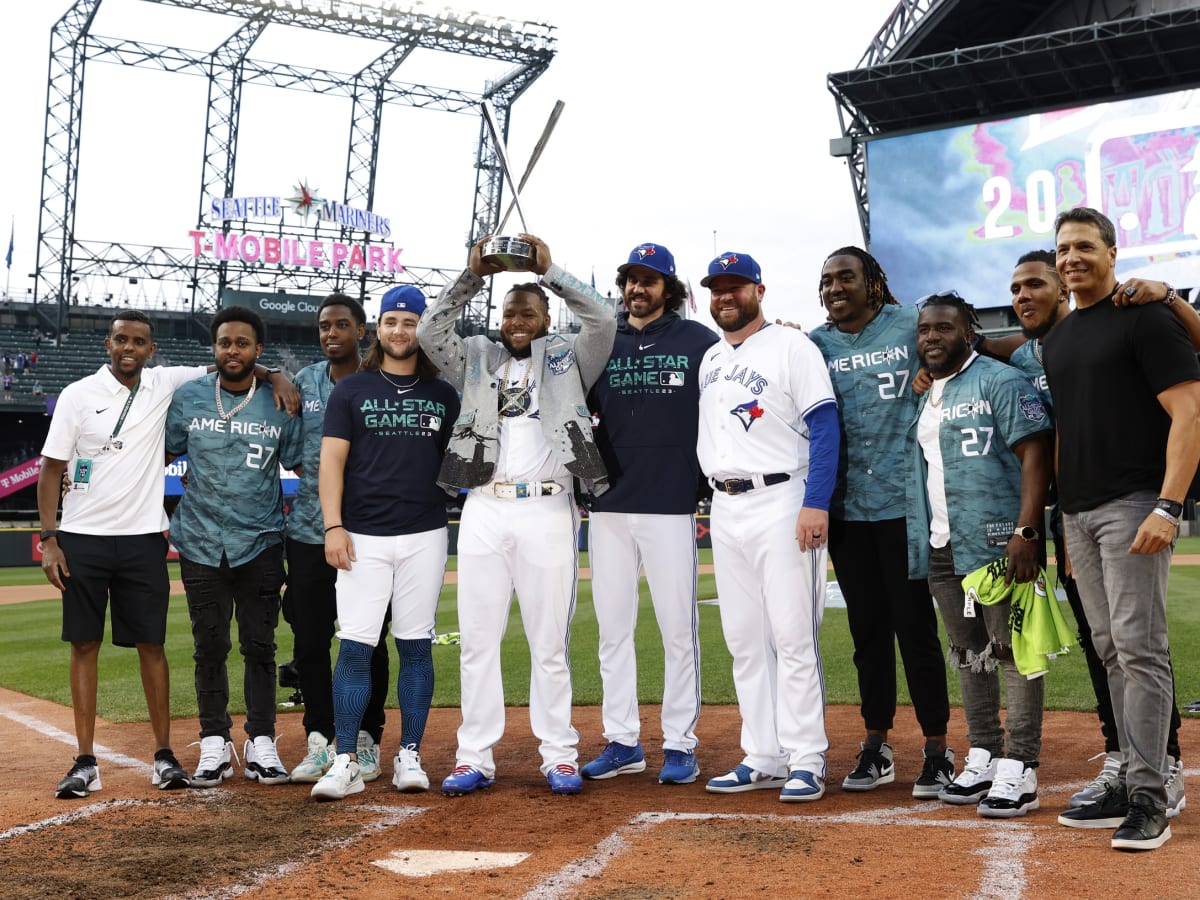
x=233 y=505
x=986 y=410
x=872 y=374
x=305 y=523
x=1026 y=359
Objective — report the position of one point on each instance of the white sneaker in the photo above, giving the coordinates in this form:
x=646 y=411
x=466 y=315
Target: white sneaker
x=1176 y=801
x=973 y=782
x=215 y=763
x=262 y=761
x=1110 y=774
x=1013 y=792
x=343 y=778
x=316 y=761
x=368 y=756
x=408 y=776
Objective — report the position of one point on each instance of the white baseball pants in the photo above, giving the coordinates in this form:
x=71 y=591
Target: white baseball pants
x=404 y=571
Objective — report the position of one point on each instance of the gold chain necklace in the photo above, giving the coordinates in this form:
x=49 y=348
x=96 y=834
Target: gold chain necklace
x=237 y=409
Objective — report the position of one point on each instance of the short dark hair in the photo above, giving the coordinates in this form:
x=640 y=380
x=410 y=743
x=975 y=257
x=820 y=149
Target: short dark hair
x=239 y=314
x=875 y=279
x=1088 y=216
x=131 y=315
x=674 y=290
x=339 y=299
x=1040 y=256
x=531 y=287
x=954 y=301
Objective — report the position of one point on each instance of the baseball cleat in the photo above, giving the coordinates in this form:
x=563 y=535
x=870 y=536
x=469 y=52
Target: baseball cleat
x=875 y=767
x=316 y=761
x=407 y=774
x=367 y=752
x=342 y=779
x=262 y=761
x=168 y=774
x=617 y=759
x=802 y=786
x=1013 y=791
x=565 y=779
x=936 y=774
x=1110 y=773
x=215 y=761
x=465 y=780
x=679 y=767
x=973 y=782
x=744 y=778
x=81 y=780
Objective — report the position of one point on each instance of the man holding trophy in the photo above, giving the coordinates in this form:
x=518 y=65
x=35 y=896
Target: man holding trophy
x=523 y=433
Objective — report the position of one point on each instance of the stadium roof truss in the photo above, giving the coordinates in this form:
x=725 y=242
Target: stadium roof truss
x=521 y=50
x=894 y=91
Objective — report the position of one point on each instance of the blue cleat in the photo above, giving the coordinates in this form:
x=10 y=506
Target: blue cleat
x=565 y=779
x=617 y=759
x=680 y=767
x=465 y=780
x=802 y=786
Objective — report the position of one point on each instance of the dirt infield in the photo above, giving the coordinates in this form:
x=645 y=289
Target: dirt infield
x=627 y=837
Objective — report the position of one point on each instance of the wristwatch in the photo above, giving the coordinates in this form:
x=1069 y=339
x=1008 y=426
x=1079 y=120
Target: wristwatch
x=1026 y=533
x=272 y=370
x=47 y=534
x=1173 y=508
x=1172 y=295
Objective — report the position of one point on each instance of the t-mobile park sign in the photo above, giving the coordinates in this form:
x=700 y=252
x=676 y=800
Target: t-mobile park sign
x=296 y=251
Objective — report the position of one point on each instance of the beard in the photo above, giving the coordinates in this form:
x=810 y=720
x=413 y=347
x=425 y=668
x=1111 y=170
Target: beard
x=515 y=352
x=951 y=363
x=399 y=355
x=1040 y=331
x=235 y=376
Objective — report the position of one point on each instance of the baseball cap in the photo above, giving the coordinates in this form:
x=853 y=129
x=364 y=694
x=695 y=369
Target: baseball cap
x=652 y=256
x=405 y=298
x=730 y=263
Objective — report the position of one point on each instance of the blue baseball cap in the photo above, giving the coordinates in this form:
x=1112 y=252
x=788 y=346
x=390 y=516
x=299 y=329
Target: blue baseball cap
x=730 y=263
x=405 y=298
x=652 y=256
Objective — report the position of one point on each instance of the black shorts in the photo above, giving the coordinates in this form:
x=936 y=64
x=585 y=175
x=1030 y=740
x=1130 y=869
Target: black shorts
x=132 y=570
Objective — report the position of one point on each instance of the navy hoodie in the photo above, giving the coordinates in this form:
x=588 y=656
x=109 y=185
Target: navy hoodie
x=648 y=399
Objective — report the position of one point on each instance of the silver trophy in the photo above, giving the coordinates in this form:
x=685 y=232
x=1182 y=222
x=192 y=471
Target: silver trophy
x=512 y=253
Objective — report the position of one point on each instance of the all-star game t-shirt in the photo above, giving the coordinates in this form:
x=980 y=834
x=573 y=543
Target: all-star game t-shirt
x=398 y=431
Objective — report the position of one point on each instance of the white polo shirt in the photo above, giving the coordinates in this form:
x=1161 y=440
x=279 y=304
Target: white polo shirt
x=125 y=487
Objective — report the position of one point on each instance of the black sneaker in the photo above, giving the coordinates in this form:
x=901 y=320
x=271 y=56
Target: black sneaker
x=937 y=774
x=169 y=774
x=80 y=781
x=875 y=767
x=1107 y=812
x=1145 y=828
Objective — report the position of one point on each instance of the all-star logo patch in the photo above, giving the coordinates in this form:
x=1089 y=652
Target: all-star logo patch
x=561 y=362
x=1032 y=408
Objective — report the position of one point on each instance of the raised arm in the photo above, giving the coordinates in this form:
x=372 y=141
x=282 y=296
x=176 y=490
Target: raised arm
x=435 y=331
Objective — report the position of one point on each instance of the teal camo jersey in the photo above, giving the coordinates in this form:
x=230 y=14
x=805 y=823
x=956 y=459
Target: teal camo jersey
x=233 y=505
x=872 y=374
x=1026 y=359
x=305 y=523
x=987 y=409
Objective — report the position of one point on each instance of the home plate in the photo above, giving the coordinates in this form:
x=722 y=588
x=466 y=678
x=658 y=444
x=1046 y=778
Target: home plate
x=420 y=863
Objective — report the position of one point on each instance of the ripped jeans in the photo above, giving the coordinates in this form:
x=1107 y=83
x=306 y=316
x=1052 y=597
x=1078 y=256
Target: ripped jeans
x=979 y=646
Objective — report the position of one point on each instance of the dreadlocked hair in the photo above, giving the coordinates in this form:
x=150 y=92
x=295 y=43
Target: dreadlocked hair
x=953 y=300
x=878 y=292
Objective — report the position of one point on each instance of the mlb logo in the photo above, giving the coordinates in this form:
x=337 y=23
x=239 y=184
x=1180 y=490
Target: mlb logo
x=670 y=379
x=432 y=422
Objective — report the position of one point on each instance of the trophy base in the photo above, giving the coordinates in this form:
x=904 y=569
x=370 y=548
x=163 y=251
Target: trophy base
x=509 y=253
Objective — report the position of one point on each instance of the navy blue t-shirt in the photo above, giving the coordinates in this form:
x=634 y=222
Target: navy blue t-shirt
x=398 y=432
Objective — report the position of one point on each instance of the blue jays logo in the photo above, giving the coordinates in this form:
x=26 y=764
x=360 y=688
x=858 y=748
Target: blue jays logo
x=748 y=413
x=728 y=260
x=645 y=250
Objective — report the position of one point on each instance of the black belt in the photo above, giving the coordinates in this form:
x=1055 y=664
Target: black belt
x=742 y=485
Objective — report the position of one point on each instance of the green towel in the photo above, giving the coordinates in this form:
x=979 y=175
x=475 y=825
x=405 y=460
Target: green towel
x=1039 y=631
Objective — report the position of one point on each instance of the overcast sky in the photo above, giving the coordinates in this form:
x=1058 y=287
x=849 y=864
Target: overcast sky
x=701 y=125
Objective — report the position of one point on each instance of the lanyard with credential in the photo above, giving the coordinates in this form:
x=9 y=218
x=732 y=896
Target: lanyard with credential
x=113 y=443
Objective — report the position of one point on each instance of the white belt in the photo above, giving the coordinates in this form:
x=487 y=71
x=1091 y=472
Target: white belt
x=522 y=490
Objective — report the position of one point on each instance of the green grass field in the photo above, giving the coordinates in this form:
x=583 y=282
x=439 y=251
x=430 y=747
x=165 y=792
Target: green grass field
x=33 y=660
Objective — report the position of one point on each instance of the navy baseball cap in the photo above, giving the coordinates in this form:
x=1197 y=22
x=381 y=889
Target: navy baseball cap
x=730 y=263
x=405 y=298
x=652 y=256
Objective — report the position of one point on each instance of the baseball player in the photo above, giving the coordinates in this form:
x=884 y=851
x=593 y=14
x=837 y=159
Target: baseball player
x=870 y=344
x=310 y=601
x=228 y=528
x=647 y=400
x=523 y=433
x=768 y=442
x=386 y=429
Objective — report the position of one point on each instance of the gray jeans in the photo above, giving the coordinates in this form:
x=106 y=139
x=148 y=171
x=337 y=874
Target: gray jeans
x=979 y=646
x=1125 y=597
